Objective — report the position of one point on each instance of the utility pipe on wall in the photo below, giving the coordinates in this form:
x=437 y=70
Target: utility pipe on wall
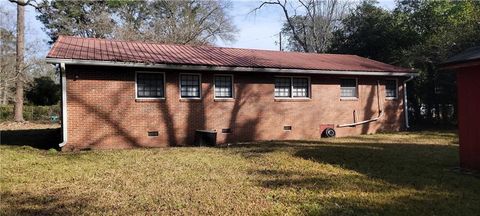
x=380 y=112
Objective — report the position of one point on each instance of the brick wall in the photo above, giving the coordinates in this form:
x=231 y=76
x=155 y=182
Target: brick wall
x=103 y=111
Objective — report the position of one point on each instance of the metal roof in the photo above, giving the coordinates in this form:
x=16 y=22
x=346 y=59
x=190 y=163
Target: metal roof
x=465 y=56
x=100 y=50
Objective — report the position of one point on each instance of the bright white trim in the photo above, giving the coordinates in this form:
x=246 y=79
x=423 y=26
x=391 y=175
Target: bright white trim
x=233 y=87
x=356 y=89
x=396 y=94
x=223 y=68
x=291 y=89
x=64 y=105
x=199 y=86
x=150 y=98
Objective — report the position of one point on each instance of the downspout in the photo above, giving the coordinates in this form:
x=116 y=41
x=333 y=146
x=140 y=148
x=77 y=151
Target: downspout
x=63 y=82
x=405 y=101
x=380 y=112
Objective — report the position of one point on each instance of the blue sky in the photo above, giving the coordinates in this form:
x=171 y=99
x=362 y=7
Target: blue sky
x=256 y=30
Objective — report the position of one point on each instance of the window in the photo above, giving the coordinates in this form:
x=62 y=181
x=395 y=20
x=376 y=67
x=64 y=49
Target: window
x=348 y=88
x=287 y=87
x=300 y=87
x=190 y=85
x=282 y=87
x=223 y=86
x=150 y=85
x=391 y=89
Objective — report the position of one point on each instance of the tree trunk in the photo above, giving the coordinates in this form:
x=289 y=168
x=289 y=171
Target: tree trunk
x=18 y=108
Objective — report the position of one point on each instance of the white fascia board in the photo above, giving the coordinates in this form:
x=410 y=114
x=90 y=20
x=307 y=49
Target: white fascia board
x=224 y=68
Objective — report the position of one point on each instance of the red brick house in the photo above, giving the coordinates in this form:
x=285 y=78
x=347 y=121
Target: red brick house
x=119 y=94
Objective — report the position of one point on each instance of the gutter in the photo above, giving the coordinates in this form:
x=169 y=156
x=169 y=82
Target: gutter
x=223 y=68
x=405 y=101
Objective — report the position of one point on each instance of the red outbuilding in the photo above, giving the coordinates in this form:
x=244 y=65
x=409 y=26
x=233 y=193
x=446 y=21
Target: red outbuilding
x=467 y=67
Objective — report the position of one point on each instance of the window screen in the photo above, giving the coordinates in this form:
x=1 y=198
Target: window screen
x=282 y=86
x=189 y=85
x=223 y=87
x=348 y=88
x=150 y=85
x=300 y=87
x=390 y=88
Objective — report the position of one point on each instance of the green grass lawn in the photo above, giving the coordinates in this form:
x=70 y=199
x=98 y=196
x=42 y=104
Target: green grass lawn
x=384 y=174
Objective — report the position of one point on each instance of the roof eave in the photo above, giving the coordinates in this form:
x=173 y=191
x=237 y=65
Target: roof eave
x=224 y=68
x=460 y=64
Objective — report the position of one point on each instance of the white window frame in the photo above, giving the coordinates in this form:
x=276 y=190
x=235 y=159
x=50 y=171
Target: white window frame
x=291 y=88
x=199 y=87
x=233 y=87
x=396 y=89
x=150 y=98
x=356 y=88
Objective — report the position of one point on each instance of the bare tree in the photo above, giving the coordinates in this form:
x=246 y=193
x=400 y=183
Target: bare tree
x=180 y=22
x=165 y=21
x=191 y=22
x=7 y=54
x=7 y=66
x=310 y=24
x=20 y=66
x=20 y=48
x=133 y=17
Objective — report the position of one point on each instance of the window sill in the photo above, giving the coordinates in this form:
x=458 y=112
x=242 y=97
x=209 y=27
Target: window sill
x=224 y=99
x=292 y=99
x=349 y=98
x=190 y=99
x=391 y=99
x=148 y=100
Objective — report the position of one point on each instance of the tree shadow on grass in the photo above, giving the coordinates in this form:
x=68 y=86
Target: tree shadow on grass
x=423 y=170
x=36 y=138
x=51 y=203
x=416 y=165
x=377 y=178
x=254 y=149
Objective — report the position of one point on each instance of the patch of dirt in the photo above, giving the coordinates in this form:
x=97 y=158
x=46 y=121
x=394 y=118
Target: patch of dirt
x=26 y=125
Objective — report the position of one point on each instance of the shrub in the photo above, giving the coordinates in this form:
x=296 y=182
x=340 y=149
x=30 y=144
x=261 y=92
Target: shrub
x=44 y=92
x=6 y=113
x=31 y=113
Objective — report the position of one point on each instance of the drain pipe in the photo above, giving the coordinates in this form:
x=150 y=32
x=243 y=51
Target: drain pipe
x=380 y=112
x=363 y=122
x=405 y=101
x=63 y=83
